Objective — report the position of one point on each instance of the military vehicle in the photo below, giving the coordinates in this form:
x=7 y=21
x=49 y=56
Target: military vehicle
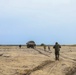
x=31 y=44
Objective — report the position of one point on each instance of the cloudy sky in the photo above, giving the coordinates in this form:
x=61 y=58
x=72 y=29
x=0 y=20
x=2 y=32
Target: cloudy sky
x=44 y=21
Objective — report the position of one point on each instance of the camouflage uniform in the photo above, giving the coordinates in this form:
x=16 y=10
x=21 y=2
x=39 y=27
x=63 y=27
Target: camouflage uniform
x=57 y=49
x=48 y=47
x=19 y=46
x=44 y=47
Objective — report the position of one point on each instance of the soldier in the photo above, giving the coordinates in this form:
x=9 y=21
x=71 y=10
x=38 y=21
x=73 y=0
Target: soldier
x=57 y=49
x=19 y=46
x=49 y=48
x=44 y=47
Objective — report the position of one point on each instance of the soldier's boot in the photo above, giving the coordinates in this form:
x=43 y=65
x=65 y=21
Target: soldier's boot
x=55 y=57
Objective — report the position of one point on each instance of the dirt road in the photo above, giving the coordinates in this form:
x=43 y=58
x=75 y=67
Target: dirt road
x=24 y=61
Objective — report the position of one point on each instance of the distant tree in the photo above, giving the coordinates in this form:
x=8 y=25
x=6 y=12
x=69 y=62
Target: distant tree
x=42 y=44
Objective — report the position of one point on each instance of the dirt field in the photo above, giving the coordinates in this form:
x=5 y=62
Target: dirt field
x=24 y=61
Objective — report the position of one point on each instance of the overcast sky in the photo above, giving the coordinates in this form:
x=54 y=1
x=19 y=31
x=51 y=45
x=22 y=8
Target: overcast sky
x=44 y=21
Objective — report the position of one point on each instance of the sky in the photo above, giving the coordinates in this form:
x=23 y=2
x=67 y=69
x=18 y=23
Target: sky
x=43 y=21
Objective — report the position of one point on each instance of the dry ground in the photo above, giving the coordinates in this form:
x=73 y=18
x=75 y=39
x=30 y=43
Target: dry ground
x=24 y=61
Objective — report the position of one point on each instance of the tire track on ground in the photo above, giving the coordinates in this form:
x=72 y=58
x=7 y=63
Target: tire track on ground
x=65 y=57
x=42 y=52
x=39 y=67
x=48 y=66
x=52 y=67
x=43 y=65
x=62 y=55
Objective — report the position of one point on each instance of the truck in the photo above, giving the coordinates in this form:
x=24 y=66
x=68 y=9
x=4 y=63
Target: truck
x=31 y=44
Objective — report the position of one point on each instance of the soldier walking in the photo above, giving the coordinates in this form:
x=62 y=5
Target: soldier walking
x=49 y=48
x=19 y=46
x=57 y=49
x=44 y=47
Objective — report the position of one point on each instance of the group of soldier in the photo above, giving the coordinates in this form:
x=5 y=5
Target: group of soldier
x=56 y=47
x=57 y=50
x=45 y=47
